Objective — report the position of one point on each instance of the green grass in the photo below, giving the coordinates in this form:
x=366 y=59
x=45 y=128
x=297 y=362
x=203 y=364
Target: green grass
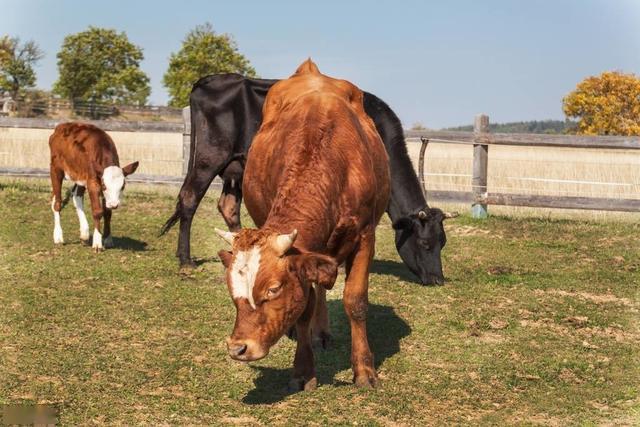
x=537 y=324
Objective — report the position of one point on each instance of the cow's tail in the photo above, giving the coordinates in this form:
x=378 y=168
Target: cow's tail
x=171 y=221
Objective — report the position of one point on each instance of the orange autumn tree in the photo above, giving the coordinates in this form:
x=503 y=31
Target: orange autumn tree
x=608 y=104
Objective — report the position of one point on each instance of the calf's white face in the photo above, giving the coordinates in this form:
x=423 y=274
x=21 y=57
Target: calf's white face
x=113 y=180
x=113 y=183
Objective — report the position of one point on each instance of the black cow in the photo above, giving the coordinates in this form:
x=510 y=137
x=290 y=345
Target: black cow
x=226 y=111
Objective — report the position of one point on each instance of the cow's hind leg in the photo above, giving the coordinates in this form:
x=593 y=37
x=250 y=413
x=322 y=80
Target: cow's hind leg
x=356 y=304
x=304 y=373
x=57 y=176
x=78 y=203
x=191 y=194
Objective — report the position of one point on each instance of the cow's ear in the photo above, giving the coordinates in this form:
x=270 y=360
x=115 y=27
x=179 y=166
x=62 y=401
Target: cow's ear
x=130 y=168
x=225 y=257
x=403 y=223
x=315 y=268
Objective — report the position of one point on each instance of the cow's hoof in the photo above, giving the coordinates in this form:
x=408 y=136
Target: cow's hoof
x=84 y=235
x=97 y=249
x=300 y=384
x=187 y=265
x=322 y=340
x=108 y=242
x=366 y=380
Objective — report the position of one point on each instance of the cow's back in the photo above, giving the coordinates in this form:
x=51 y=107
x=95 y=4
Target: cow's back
x=80 y=148
x=317 y=160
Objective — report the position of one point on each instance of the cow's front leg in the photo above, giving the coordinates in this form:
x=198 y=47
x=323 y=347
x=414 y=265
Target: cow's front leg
x=97 y=212
x=57 y=176
x=356 y=304
x=304 y=372
x=107 y=240
x=78 y=203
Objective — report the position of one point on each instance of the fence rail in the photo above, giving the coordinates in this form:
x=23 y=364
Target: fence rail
x=481 y=194
x=526 y=139
x=108 y=125
x=481 y=139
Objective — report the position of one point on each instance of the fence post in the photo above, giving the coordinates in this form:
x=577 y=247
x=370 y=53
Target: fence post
x=186 y=139
x=480 y=161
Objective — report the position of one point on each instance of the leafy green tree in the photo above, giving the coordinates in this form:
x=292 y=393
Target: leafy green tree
x=16 y=65
x=203 y=52
x=608 y=104
x=101 y=65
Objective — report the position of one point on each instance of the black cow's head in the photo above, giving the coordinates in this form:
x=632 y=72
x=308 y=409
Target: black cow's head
x=419 y=239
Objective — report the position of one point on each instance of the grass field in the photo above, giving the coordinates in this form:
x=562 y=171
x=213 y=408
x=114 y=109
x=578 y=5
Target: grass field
x=538 y=323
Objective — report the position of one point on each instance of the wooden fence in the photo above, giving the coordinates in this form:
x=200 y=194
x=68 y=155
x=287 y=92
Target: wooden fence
x=481 y=139
x=479 y=197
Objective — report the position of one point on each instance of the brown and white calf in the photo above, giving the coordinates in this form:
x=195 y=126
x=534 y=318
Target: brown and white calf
x=316 y=183
x=86 y=155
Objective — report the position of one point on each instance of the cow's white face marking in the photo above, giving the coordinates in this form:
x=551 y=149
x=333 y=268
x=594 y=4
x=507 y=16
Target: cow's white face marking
x=113 y=180
x=243 y=274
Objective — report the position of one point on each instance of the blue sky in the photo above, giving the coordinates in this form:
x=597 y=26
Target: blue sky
x=438 y=63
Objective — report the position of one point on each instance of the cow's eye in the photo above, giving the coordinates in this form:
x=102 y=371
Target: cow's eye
x=274 y=290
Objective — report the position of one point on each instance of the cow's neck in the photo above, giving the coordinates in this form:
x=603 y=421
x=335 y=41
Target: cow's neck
x=405 y=199
x=406 y=192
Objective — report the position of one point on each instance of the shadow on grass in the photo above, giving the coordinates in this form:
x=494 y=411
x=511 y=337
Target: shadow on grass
x=393 y=268
x=385 y=330
x=129 y=244
x=197 y=262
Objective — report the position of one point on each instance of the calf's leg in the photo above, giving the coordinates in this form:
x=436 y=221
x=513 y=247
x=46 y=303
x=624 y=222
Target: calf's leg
x=97 y=212
x=304 y=373
x=356 y=303
x=78 y=203
x=57 y=175
x=107 y=240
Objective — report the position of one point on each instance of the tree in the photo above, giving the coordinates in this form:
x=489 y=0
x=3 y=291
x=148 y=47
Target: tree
x=101 y=65
x=203 y=52
x=608 y=104
x=16 y=65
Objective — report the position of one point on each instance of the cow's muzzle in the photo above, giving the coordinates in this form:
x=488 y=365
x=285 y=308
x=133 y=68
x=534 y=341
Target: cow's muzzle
x=245 y=350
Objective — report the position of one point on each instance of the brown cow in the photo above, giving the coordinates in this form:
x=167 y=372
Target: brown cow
x=86 y=155
x=316 y=183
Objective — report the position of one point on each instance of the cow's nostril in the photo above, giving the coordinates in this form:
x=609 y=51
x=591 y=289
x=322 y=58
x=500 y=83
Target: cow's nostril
x=237 y=349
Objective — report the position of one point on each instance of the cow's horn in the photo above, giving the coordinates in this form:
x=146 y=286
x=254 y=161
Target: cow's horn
x=228 y=236
x=422 y=215
x=283 y=242
x=449 y=215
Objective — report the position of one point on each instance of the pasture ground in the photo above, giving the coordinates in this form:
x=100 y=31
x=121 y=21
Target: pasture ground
x=537 y=324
